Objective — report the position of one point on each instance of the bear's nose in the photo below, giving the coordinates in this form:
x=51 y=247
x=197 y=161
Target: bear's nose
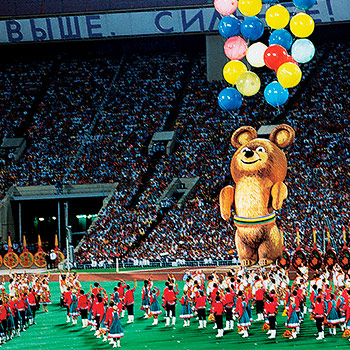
x=248 y=153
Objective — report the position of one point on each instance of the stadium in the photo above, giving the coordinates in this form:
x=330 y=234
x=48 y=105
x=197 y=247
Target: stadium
x=123 y=219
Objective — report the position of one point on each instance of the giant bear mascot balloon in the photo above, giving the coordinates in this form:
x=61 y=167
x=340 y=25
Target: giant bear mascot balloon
x=258 y=168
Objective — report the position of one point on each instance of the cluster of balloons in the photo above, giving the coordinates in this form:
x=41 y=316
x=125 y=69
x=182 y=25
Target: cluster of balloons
x=239 y=34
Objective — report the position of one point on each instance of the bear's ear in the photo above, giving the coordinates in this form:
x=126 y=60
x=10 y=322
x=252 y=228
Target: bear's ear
x=282 y=135
x=243 y=135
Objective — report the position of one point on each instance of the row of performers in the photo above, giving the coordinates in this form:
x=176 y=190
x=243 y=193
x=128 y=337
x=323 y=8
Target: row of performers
x=229 y=296
x=18 y=305
x=97 y=309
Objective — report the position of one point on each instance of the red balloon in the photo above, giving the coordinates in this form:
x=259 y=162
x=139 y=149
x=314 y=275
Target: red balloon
x=291 y=60
x=274 y=56
x=288 y=59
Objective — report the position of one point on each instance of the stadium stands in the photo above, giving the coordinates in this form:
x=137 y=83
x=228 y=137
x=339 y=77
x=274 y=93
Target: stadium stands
x=63 y=117
x=20 y=83
x=194 y=232
x=143 y=96
x=318 y=178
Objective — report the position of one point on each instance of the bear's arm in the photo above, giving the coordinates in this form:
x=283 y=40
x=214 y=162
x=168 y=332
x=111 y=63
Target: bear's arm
x=279 y=193
x=226 y=200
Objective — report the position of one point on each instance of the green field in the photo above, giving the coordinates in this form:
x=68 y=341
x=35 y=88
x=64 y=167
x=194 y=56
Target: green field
x=53 y=333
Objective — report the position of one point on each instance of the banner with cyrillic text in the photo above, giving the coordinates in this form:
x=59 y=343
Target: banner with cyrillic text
x=144 y=23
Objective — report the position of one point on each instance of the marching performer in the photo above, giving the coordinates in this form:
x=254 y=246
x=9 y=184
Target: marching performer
x=201 y=302
x=115 y=329
x=318 y=314
x=229 y=303
x=83 y=306
x=170 y=304
x=146 y=293
x=218 y=310
x=129 y=302
x=292 y=318
x=270 y=311
x=186 y=310
x=243 y=316
x=155 y=307
x=74 y=309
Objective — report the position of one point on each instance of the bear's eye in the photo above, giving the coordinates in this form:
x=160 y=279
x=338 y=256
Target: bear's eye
x=260 y=149
x=245 y=149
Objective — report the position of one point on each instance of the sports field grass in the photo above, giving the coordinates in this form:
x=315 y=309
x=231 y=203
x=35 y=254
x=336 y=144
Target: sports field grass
x=53 y=333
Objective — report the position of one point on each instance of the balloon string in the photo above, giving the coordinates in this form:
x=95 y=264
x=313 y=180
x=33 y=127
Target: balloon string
x=231 y=114
x=314 y=235
x=298 y=236
x=328 y=236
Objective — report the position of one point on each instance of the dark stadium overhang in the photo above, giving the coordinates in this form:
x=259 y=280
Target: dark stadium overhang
x=30 y=193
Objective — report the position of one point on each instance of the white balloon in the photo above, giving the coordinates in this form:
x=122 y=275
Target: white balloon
x=255 y=54
x=303 y=50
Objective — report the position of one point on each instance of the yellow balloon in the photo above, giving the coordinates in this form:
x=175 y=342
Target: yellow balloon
x=233 y=70
x=248 y=84
x=302 y=25
x=289 y=75
x=277 y=17
x=249 y=7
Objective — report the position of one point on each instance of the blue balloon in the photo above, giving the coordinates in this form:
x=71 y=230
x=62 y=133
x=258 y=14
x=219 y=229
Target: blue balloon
x=281 y=37
x=304 y=4
x=252 y=28
x=275 y=94
x=229 y=26
x=229 y=99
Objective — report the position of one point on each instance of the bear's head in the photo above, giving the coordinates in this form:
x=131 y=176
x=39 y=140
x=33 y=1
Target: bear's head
x=261 y=157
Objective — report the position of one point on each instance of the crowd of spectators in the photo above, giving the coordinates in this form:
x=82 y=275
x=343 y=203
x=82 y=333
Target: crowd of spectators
x=138 y=105
x=318 y=177
x=74 y=92
x=20 y=83
x=114 y=231
x=139 y=102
